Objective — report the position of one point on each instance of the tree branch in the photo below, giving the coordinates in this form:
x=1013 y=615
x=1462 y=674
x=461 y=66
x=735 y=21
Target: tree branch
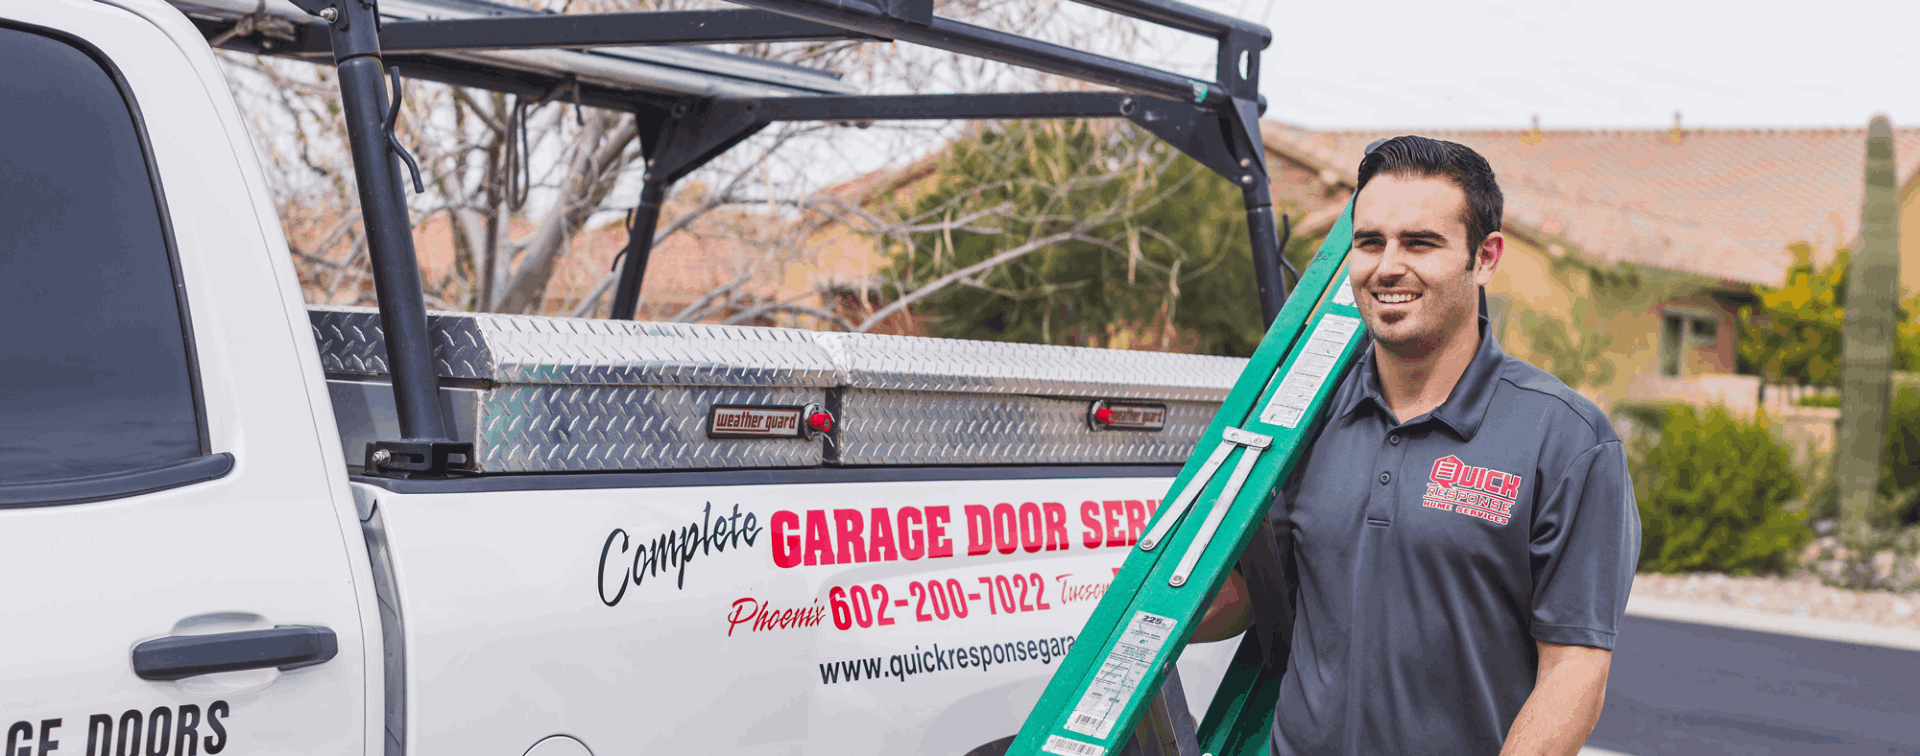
x=950 y=278
x=748 y=316
x=580 y=197
x=696 y=310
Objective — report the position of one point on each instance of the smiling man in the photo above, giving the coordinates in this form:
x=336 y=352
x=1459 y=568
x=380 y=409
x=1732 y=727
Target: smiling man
x=1463 y=532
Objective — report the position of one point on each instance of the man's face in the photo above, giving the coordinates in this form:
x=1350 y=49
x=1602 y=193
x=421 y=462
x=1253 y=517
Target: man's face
x=1409 y=263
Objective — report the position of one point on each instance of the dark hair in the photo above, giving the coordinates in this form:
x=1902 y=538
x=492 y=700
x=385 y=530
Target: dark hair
x=1458 y=163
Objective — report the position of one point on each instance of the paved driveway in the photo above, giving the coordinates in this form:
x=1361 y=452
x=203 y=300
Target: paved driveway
x=1681 y=688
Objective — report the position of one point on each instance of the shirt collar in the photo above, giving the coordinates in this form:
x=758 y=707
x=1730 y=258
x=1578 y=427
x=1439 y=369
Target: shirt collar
x=1465 y=407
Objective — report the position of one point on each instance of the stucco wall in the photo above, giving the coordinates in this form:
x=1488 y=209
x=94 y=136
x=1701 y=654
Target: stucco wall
x=1526 y=280
x=1910 y=240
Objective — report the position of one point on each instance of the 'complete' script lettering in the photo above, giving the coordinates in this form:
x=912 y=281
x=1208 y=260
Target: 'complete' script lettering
x=672 y=550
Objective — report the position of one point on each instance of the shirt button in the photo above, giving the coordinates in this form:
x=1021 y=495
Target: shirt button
x=1384 y=477
x=1395 y=440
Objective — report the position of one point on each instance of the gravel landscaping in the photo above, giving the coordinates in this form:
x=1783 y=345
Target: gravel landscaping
x=1799 y=596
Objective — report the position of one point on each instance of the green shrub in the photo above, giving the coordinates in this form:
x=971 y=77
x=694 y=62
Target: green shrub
x=1899 y=470
x=1831 y=401
x=1849 y=561
x=1716 y=493
x=1900 y=458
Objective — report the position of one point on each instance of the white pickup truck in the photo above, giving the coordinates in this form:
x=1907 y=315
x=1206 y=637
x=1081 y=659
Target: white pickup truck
x=676 y=539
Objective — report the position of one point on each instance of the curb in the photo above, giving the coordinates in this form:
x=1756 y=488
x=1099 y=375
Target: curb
x=1900 y=638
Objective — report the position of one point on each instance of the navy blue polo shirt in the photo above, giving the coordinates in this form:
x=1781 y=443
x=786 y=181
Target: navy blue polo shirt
x=1431 y=554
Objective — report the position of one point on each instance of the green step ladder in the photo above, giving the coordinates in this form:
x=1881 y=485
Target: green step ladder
x=1216 y=509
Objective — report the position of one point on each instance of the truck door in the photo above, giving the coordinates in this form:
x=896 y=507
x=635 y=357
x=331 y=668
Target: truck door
x=178 y=572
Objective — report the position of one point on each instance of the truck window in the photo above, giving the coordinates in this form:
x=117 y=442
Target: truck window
x=94 y=359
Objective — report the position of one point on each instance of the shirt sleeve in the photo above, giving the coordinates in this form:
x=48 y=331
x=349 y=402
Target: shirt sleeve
x=1583 y=548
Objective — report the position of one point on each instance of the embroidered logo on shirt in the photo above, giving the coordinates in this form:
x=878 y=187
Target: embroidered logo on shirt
x=1456 y=486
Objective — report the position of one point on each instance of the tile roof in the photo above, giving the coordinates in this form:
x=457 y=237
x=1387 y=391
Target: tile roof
x=1724 y=203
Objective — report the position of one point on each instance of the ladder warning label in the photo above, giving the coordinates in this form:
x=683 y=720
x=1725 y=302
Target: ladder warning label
x=1071 y=747
x=1310 y=369
x=1124 y=669
x=1343 y=294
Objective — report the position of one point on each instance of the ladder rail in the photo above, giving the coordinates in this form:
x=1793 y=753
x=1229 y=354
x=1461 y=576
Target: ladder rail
x=1101 y=689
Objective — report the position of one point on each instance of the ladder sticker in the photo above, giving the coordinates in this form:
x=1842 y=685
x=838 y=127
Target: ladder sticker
x=1070 y=747
x=1310 y=370
x=1126 y=666
x=1343 y=294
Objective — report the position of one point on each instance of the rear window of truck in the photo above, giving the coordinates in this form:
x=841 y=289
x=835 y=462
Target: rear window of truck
x=95 y=371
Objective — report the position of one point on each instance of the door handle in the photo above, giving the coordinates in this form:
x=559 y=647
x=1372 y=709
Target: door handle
x=286 y=647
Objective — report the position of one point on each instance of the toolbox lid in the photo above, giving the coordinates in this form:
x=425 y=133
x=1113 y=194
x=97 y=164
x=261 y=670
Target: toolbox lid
x=548 y=394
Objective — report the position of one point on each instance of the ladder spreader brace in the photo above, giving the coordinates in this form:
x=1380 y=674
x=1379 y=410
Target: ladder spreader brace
x=1148 y=614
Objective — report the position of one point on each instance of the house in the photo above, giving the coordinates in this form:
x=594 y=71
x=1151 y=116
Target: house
x=1705 y=215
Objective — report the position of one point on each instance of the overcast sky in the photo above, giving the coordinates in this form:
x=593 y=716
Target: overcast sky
x=1619 y=63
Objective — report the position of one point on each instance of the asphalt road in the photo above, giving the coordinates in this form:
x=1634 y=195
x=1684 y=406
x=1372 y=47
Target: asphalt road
x=1687 y=689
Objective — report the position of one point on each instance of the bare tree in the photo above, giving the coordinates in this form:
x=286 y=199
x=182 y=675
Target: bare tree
x=512 y=182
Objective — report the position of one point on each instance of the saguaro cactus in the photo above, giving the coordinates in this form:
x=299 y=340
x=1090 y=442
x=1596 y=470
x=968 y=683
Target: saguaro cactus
x=1866 y=352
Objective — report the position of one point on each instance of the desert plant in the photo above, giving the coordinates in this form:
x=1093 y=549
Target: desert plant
x=1899 y=464
x=1857 y=560
x=1866 y=363
x=1716 y=493
x=1882 y=559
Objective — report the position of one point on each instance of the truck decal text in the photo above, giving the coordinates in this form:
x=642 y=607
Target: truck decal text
x=762 y=615
x=166 y=730
x=881 y=534
x=672 y=550
x=1072 y=592
x=936 y=659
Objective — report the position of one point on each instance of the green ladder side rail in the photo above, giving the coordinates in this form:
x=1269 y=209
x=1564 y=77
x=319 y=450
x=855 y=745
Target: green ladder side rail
x=1097 y=695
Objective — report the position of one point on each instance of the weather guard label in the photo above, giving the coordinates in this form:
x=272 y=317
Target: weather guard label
x=1310 y=370
x=1130 y=416
x=1125 y=667
x=726 y=421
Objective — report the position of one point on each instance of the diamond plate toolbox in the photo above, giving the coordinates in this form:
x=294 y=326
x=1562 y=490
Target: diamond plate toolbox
x=544 y=394
x=572 y=395
x=929 y=428
x=917 y=401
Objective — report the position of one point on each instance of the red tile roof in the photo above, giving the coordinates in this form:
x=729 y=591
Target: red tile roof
x=1723 y=203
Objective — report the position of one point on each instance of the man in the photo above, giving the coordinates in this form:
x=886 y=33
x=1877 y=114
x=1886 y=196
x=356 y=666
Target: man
x=1463 y=532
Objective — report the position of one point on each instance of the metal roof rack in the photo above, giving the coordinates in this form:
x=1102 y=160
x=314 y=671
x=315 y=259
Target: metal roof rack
x=694 y=104
x=610 y=77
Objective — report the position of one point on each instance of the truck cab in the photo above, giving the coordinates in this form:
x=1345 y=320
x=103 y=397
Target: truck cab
x=163 y=476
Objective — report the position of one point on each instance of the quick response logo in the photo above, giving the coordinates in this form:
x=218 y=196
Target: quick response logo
x=1482 y=492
